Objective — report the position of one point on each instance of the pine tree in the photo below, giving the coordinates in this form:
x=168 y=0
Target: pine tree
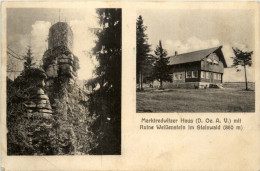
x=161 y=68
x=242 y=59
x=28 y=59
x=142 y=51
x=105 y=103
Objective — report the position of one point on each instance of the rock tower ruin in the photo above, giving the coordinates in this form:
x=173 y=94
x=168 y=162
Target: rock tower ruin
x=58 y=60
x=57 y=96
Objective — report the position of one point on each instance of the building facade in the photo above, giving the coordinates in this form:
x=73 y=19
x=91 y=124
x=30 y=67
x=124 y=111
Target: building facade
x=198 y=69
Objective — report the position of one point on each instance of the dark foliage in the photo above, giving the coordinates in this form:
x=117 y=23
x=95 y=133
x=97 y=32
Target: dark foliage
x=105 y=103
x=93 y=82
x=142 y=51
x=149 y=68
x=25 y=136
x=161 y=68
x=26 y=133
x=242 y=59
x=28 y=59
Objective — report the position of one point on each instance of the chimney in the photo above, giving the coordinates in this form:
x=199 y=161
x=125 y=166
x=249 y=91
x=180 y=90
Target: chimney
x=176 y=53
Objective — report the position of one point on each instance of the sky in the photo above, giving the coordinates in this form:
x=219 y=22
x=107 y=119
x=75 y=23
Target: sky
x=179 y=30
x=189 y=30
x=30 y=27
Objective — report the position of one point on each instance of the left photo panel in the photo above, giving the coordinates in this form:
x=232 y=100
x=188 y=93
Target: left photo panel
x=63 y=81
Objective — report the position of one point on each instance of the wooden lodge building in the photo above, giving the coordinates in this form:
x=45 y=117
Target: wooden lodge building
x=198 y=69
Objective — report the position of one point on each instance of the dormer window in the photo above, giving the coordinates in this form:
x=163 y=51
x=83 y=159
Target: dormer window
x=215 y=62
x=209 y=60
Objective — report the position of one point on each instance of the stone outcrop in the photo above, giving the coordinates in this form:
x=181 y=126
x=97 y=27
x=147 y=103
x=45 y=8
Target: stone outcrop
x=39 y=104
x=49 y=106
x=61 y=65
x=57 y=96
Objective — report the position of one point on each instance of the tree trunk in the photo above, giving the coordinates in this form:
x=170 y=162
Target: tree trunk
x=245 y=77
x=141 y=80
x=161 y=84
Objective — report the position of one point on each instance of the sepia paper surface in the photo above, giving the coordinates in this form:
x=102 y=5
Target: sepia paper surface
x=152 y=149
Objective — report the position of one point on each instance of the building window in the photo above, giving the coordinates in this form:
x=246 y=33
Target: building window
x=180 y=76
x=194 y=74
x=209 y=60
x=207 y=75
x=188 y=74
x=215 y=76
x=171 y=76
x=215 y=62
x=202 y=74
x=219 y=76
x=175 y=76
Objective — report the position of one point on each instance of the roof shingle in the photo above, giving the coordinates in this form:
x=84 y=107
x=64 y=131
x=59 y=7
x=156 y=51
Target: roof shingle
x=191 y=56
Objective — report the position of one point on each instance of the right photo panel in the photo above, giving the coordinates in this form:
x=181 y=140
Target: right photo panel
x=195 y=60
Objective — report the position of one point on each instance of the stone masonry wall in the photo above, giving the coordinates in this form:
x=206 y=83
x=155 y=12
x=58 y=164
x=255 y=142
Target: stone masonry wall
x=60 y=34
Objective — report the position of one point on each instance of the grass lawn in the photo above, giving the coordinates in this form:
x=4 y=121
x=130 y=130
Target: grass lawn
x=233 y=98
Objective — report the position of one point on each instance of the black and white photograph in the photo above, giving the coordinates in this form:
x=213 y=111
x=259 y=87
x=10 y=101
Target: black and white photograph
x=197 y=60
x=63 y=81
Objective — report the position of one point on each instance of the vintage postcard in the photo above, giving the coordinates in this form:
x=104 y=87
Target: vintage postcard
x=130 y=85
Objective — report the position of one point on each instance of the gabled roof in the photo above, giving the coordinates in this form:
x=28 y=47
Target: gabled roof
x=196 y=56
